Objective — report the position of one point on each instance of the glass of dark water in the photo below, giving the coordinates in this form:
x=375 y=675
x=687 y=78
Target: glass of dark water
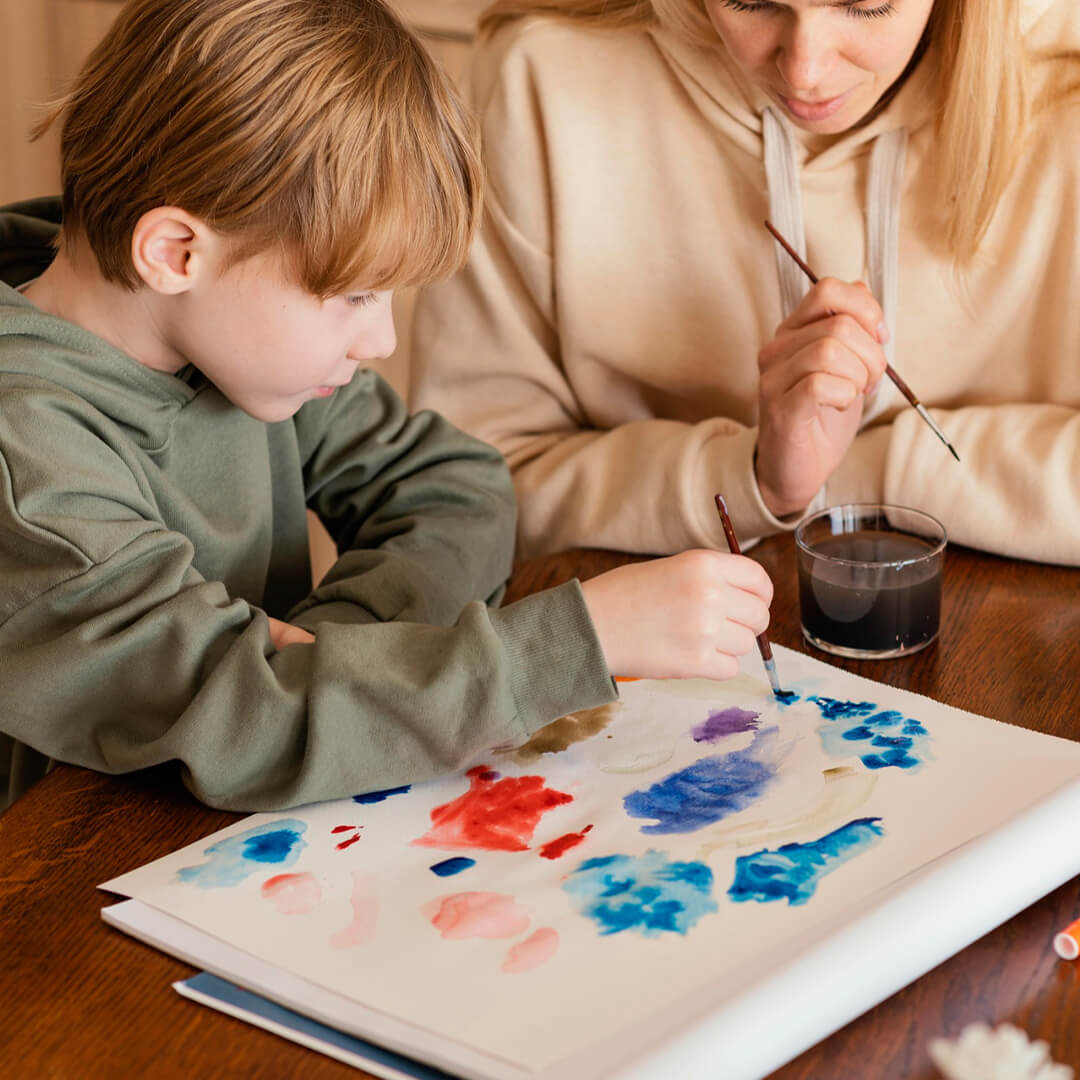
x=870 y=579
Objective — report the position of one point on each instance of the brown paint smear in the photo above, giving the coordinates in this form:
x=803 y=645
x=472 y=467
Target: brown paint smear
x=567 y=730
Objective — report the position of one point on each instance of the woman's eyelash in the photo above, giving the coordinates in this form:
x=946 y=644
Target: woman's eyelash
x=872 y=13
x=858 y=12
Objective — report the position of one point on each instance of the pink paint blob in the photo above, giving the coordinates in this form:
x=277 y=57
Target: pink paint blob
x=365 y=908
x=476 y=915
x=496 y=815
x=560 y=846
x=292 y=894
x=537 y=948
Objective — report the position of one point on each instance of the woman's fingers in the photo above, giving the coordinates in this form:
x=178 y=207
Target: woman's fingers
x=835 y=345
x=830 y=296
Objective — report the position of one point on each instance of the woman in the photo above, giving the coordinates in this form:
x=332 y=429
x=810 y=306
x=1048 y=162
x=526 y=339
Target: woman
x=632 y=339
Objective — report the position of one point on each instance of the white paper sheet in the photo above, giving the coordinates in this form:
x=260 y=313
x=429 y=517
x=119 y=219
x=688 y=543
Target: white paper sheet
x=688 y=789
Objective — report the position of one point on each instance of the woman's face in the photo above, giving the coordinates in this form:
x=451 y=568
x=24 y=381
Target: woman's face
x=826 y=63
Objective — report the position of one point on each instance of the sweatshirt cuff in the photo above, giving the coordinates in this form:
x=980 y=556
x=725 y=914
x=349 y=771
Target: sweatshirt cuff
x=556 y=663
x=730 y=472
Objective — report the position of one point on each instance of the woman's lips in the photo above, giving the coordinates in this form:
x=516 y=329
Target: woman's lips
x=813 y=111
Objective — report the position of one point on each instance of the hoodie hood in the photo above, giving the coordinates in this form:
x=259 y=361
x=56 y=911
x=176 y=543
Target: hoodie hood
x=44 y=348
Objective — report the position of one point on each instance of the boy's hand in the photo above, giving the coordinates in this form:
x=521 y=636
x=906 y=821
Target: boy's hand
x=827 y=354
x=690 y=615
x=283 y=633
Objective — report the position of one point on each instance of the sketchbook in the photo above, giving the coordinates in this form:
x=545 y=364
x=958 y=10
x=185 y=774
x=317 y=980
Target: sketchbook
x=696 y=881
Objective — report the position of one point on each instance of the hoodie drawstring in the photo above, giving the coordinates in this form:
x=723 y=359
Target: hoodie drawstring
x=882 y=229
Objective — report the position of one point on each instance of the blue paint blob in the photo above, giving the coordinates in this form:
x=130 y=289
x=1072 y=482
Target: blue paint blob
x=450 y=867
x=705 y=792
x=275 y=843
x=379 y=796
x=792 y=871
x=786 y=697
x=832 y=709
x=883 y=748
x=723 y=722
x=646 y=893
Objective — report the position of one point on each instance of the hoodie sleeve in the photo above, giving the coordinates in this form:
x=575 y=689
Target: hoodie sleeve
x=116 y=653
x=1015 y=490
x=487 y=352
x=422 y=514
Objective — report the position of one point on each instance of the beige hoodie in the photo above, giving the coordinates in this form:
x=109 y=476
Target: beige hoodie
x=605 y=333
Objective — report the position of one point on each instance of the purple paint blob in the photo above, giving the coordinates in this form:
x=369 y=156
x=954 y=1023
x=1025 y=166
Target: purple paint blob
x=723 y=722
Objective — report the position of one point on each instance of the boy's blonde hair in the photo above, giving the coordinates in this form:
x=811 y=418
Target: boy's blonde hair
x=321 y=128
x=984 y=75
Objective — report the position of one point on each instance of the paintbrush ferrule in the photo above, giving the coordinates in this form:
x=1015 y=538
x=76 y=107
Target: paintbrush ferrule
x=774 y=680
x=921 y=410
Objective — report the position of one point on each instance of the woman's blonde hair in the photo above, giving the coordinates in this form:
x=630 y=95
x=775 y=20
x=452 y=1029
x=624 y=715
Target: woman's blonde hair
x=321 y=129
x=985 y=77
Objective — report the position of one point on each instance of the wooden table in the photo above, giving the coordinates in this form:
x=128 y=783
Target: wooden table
x=79 y=1000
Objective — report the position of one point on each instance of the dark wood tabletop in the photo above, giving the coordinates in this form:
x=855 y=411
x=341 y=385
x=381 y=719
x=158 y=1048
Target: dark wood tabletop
x=79 y=1000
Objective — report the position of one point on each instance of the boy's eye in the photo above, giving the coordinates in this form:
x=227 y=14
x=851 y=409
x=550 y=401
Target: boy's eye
x=361 y=299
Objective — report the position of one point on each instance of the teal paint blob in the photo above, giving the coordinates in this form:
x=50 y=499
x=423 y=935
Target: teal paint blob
x=792 y=871
x=275 y=843
x=882 y=739
x=646 y=893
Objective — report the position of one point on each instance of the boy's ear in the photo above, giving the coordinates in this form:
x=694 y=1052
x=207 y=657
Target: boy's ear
x=171 y=248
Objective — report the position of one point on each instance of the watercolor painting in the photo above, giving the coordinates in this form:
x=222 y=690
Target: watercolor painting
x=694 y=832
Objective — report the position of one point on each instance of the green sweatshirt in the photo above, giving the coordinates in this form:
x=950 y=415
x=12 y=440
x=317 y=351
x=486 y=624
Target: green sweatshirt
x=148 y=528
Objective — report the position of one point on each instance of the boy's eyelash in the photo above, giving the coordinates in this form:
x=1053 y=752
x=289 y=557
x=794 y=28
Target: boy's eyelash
x=858 y=12
x=360 y=299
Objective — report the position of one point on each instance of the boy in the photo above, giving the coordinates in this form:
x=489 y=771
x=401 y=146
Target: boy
x=244 y=182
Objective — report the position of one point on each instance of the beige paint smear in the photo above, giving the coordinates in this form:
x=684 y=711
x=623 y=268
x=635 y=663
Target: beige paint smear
x=846 y=789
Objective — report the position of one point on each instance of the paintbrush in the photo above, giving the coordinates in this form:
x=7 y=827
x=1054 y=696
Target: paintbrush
x=762 y=639
x=898 y=382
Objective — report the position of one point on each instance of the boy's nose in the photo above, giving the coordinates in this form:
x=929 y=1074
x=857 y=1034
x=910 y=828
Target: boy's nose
x=379 y=339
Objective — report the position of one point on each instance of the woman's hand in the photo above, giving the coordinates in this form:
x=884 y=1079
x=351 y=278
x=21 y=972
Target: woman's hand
x=826 y=356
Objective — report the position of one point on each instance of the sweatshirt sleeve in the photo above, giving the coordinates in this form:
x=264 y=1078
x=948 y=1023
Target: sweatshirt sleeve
x=422 y=514
x=487 y=352
x=117 y=654
x=1015 y=490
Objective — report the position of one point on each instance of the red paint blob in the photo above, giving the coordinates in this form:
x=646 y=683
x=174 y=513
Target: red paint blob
x=345 y=843
x=292 y=894
x=496 y=815
x=342 y=828
x=554 y=848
